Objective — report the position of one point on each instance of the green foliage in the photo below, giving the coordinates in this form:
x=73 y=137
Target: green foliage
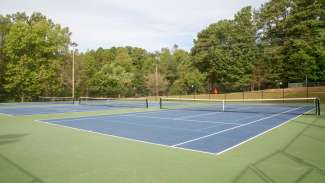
x=4 y=29
x=33 y=50
x=139 y=65
x=281 y=41
x=226 y=51
x=190 y=81
x=292 y=33
x=111 y=80
x=151 y=80
x=131 y=60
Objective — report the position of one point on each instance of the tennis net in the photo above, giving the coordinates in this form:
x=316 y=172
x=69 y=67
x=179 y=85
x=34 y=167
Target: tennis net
x=57 y=100
x=115 y=102
x=266 y=106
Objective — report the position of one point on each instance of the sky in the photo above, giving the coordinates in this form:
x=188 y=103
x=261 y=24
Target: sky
x=149 y=24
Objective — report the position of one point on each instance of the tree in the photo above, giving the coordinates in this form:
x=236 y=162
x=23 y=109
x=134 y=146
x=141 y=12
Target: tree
x=5 y=24
x=142 y=63
x=33 y=51
x=226 y=51
x=190 y=81
x=292 y=34
x=151 y=84
x=111 y=80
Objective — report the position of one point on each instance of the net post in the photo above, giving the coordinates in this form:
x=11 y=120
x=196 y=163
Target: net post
x=315 y=105
x=147 y=103
x=160 y=103
x=318 y=106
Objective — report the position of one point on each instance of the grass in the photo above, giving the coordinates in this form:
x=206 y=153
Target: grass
x=37 y=152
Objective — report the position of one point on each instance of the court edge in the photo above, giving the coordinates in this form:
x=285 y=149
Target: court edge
x=125 y=138
x=172 y=147
x=256 y=136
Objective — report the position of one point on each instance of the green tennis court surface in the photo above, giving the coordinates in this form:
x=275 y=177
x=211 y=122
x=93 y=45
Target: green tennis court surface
x=36 y=152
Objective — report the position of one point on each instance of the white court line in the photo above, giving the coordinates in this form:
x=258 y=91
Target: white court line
x=92 y=117
x=214 y=126
x=85 y=117
x=103 y=116
x=242 y=119
x=71 y=119
x=6 y=114
x=197 y=115
x=222 y=131
x=177 y=119
x=247 y=140
x=161 y=145
x=133 y=115
x=124 y=138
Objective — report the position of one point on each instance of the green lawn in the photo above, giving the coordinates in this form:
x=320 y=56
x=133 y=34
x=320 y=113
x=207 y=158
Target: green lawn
x=37 y=152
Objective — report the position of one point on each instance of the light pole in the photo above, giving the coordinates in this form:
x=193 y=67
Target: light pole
x=74 y=45
x=306 y=83
x=281 y=84
x=156 y=75
x=194 y=91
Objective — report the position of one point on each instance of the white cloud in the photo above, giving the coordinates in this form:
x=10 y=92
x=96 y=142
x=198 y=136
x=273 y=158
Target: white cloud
x=143 y=23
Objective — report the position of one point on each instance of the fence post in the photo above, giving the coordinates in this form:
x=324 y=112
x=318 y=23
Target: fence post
x=160 y=103
x=262 y=94
x=282 y=94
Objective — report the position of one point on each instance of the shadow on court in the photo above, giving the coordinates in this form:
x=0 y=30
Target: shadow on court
x=299 y=161
x=10 y=138
x=12 y=172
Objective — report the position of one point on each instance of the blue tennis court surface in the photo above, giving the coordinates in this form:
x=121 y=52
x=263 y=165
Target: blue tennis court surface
x=204 y=131
x=48 y=109
x=51 y=108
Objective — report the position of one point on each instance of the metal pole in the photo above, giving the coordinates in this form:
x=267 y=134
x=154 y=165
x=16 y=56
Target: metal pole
x=193 y=91
x=307 y=93
x=74 y=45
x=209 y=90
x=262 y=92
x=156 y=75
x=73 y=73
x=282 y=93
x=243 y=95
x=318 y=106
x=282 y=86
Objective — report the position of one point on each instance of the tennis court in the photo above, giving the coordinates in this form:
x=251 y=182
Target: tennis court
x=54 y=105
x=48 y=109
x=199 y=127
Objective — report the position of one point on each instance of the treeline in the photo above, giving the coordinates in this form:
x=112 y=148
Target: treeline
x=282 y=41
x=129 y=71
